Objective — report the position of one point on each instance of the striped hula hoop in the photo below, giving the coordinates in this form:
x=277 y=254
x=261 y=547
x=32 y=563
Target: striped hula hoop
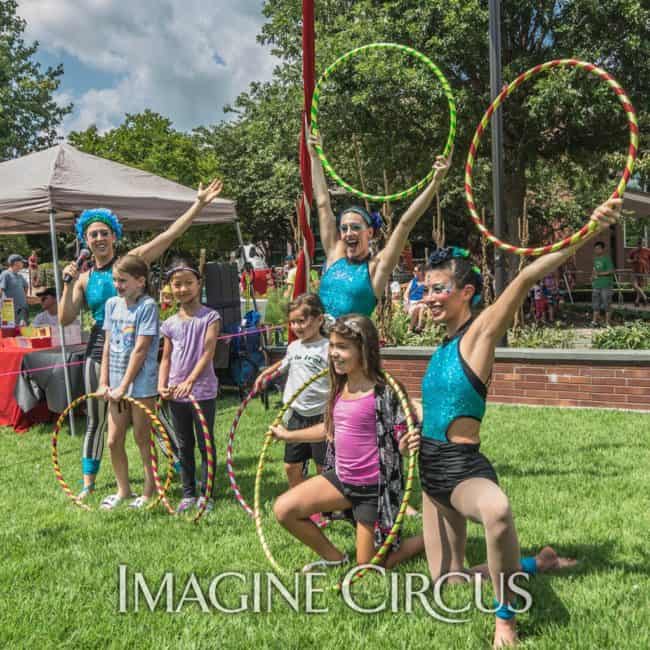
x=588 y=228
x=210 y=460
x=161 y=490
x=414 y=189
x=394 y=531
x=231 y=441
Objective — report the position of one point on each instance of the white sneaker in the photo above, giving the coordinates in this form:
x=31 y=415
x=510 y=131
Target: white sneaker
x=186 y=504
x=325 y=564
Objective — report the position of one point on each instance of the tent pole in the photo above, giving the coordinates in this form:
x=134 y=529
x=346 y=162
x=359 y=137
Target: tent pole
x=57 y=286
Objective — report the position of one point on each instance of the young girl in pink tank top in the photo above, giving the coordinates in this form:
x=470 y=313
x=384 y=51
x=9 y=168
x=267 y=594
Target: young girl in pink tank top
x=366 y=431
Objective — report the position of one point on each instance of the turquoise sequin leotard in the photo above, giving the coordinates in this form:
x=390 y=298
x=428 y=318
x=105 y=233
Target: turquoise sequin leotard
x=450 y=390
x=346 y=289
x=99 y=289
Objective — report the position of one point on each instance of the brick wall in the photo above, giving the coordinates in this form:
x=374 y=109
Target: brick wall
x=592 y=378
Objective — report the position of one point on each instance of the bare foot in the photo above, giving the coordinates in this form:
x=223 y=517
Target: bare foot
x=411 y=512
x=505 y=633
x=548 y=560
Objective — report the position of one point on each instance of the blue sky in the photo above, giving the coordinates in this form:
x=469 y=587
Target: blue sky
x=182 y=58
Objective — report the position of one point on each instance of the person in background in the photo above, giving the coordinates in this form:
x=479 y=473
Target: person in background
x=32 y=262
x=413 y=295
x=13 y=285
x=602 y=284
x=639 y=258
x=290 y=261
x=49 y=316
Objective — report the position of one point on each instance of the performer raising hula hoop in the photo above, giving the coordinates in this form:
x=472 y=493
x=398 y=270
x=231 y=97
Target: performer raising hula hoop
x=458 y=482
x=100 y=231
x=190 y=339
x=353 y=281
x=366 y=429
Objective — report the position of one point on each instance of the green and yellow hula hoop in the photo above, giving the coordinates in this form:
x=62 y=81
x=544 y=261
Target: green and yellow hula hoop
x=483 y=124
x=161 y=489
x=268 y=439
x=382 y=198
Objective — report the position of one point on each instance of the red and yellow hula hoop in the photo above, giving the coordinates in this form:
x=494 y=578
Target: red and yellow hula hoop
x=210 y=460
x=161 y=489
x=483 y=124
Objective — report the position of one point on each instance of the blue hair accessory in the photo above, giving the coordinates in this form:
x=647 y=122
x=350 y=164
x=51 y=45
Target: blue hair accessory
x=372 y=219
x=97 y=214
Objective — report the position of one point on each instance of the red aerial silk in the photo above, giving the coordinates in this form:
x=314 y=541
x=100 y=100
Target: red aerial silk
x=306 y=256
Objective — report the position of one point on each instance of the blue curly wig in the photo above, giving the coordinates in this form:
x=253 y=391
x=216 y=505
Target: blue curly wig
x=373 y=219
x=97 y=214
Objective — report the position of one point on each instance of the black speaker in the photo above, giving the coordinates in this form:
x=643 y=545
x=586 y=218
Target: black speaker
x=222 y=294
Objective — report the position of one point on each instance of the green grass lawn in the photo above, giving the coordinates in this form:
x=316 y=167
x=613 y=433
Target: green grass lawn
x=577 y=479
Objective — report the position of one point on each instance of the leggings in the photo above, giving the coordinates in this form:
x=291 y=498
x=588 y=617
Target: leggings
x=187 y=426
x=93 y=446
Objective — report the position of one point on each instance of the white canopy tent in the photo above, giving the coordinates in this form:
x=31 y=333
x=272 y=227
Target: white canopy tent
x=45 y=191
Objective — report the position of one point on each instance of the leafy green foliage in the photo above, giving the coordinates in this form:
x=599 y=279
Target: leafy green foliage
x=534 y=336
x=29 y=116
x=631 y=336
x=148 y=141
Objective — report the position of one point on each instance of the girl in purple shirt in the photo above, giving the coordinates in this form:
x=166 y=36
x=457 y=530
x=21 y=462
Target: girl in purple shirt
x=190 y=339
x=365 y=427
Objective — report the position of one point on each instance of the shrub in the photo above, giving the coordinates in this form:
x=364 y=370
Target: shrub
x=534 y=336
x=633 y=336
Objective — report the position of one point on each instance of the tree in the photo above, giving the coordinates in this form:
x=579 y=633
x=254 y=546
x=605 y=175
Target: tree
x=565 y=134
x=29 y=115
x=148 y=141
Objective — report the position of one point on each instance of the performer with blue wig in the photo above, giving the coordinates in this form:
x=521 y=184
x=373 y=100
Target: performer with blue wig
x=354 y=281
x=99 y=230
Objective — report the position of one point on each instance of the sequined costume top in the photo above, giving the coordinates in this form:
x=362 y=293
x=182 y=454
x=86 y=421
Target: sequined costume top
x=345 y=288
x=99 y=289
x=450 y=390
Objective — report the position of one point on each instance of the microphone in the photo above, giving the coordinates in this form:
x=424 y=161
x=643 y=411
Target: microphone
x=84 y=254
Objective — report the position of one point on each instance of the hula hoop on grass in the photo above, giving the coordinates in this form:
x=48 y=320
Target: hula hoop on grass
x=209 y=453
x=485 y=120
x=231 y=440
x=397 y=196
x=268 y=439
x=161 y=490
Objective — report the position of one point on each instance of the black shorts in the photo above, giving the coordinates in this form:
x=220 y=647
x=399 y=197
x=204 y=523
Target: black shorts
x=300 y=452
x=364 y=498
x=444 y=465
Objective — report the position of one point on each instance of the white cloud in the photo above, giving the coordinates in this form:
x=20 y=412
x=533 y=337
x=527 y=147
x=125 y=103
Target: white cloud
x=163 y=54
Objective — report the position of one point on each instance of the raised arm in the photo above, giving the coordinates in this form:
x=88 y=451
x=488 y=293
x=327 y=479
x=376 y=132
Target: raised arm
x=389 y=257
x=482 y=337
x=326 y=218
x=158 y=245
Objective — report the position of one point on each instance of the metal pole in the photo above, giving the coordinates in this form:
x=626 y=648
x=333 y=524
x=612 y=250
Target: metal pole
x=57 y=286
x=496 y=83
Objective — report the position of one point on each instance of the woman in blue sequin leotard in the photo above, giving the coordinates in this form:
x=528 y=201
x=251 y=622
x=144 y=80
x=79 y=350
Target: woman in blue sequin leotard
x=99 y=231
x=354 y=280
x=458 y=482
